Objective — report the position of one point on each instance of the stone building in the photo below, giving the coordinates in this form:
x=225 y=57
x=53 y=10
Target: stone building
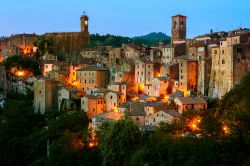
x=187 y=74
x=69 y=99
x=3 y=48
x=45 y=95
x=230 y=62
x=171 y=51
x=165 y=116
x=3 y=79
x=71 y=43
x=137 y=113
x=178 y=28
x=21 y=44
x=190 y=103
x=145 y=72
x=162 y=87
x=114 y=99
x=153 y=107
x=92 y=76
x=84 y=62
x=61 y=76
x=93 y=105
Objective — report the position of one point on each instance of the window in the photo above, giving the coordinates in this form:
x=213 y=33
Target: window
x=111 y=97
x=222 y=51
x=223 y=61
x=148 y=73
x=182 y=24
x=137 y=119
x=238 y=50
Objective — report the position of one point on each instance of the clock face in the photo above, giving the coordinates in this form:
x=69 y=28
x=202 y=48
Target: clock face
x=86 y=22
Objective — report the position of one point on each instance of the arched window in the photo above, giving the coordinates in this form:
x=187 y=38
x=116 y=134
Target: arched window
x=175 y=25
x=223 y=61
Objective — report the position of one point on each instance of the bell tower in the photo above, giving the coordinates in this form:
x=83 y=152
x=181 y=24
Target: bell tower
x=84 y=23
x=179 y=28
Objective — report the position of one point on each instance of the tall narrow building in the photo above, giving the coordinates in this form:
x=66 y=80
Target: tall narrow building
x=179 y=28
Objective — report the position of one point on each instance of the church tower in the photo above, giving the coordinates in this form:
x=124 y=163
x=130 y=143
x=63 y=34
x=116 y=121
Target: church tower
x=85 y=24
x=179 y=28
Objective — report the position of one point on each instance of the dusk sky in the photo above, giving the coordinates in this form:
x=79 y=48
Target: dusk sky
x=121 y=17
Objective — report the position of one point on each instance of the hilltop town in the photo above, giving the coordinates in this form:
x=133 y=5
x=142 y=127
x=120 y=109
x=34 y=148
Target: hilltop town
x=149 y=84
x=66 y=98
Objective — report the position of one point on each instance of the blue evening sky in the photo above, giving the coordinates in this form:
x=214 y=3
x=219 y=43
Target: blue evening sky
x=121 y=17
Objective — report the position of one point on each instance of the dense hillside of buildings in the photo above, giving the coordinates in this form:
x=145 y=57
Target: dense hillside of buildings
x=114 y=79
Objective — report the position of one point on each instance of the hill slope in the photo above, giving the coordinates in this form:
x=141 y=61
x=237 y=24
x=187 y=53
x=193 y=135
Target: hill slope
x=151 y=39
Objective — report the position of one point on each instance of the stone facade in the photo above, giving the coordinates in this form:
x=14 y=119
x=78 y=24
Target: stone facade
x=93 y=76
x=190 y=103
x=45 y=95
x=3 y=79
x=230 y=62
x=93 y=105
x=69 y=99
x=71 y=43
x=166 y=116
x=178 y=28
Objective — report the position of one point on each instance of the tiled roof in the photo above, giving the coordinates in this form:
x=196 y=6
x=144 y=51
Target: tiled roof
x=179 y=15
x=93 y=97
x=162 y=78
x=172 y=113
x=87 y=61
x=137 y=109
x=116 y=92
x=191 y=100
x=125 y=105
x=108 y=116
x=119 y=83
x=70 y=89
x=93 y=68
x=154 y=104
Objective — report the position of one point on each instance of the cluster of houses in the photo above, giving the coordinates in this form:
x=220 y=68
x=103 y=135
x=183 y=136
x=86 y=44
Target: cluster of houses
x=151 y=85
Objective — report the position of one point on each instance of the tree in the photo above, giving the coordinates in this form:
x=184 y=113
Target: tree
x=119 y=141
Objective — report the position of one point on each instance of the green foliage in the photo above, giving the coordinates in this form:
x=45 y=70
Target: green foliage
x=234 y=109
x=74 y=122
x=22 y=137
x=44 y=44
x=119 y=141
x=22 y=63
x=211 y=126
x=151 y=39
x=107 y=40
